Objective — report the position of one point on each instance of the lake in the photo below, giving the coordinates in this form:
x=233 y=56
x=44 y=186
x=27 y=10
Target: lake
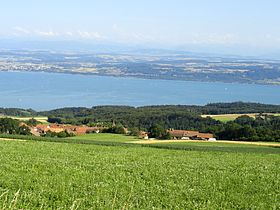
x=44 y=91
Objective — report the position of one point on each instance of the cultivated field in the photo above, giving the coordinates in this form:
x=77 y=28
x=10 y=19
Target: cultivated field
x=196 y=175
x=207 y=143
x=40 y=119
x=230 y=117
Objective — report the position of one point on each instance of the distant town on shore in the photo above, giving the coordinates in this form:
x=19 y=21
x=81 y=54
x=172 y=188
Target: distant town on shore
x=147 y=64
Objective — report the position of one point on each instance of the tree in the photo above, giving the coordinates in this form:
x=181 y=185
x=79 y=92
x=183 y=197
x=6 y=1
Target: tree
x=247 y=132
x=115 y=129
x=244 y=120
x=11 y=126
x=157 y=131
x=230 y=132
x=32 y=122
x=24 y=130
x=134 y=132
x=54 y=120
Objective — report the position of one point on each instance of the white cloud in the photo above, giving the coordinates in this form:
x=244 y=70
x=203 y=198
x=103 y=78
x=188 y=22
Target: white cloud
x=227 y=38
x=49 y=33
x=115 y=27
x=124 y=35
x=271 y=38
x=21 y=30
x=69 y=33
x=89 y=35
x=79 y=34
x=214 y=38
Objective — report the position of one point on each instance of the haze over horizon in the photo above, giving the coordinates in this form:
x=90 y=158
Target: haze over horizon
x=240 y=27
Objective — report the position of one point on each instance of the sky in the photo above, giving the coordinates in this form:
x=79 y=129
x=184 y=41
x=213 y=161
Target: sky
x=242 y=24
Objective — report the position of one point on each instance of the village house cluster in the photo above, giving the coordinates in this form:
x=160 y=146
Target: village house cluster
x=42 y=129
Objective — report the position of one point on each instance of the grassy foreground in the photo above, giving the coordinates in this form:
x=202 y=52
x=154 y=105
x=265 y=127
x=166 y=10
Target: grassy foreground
x=106 y=137
x=52 y=175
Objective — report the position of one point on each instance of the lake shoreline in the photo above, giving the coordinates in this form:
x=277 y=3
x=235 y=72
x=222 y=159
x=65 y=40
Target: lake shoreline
x=144 y=78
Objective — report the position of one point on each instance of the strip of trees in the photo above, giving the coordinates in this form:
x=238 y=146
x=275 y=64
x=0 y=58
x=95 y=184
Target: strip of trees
x=153 y=118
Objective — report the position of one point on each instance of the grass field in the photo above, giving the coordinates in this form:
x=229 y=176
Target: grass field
x=202 y=175
x=106 y=137
x=219 y=147
x=40 y=119
x=230 y=117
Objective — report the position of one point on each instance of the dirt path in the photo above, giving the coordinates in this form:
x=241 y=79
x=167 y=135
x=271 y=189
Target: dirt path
x=219 y=141
x=161 y=141
x=271 y=144
x=7 y=139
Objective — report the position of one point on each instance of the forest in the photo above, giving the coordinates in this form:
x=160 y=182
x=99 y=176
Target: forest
x=212 y=108
x=263 y=127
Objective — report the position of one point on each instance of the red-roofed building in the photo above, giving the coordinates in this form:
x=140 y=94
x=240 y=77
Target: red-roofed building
x=183 y=134
x=186 y=134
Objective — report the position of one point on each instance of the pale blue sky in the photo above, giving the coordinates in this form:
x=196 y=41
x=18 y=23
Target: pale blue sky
x=252 y=23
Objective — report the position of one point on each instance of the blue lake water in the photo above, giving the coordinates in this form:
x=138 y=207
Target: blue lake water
x=44 y=91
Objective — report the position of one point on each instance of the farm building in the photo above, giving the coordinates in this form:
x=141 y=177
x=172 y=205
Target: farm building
x=206 y=136
x=186 y=135
x=143 y=135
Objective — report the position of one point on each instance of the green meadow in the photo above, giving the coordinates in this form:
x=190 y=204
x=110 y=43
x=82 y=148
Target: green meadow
x=106 y=137
x=81 y=174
